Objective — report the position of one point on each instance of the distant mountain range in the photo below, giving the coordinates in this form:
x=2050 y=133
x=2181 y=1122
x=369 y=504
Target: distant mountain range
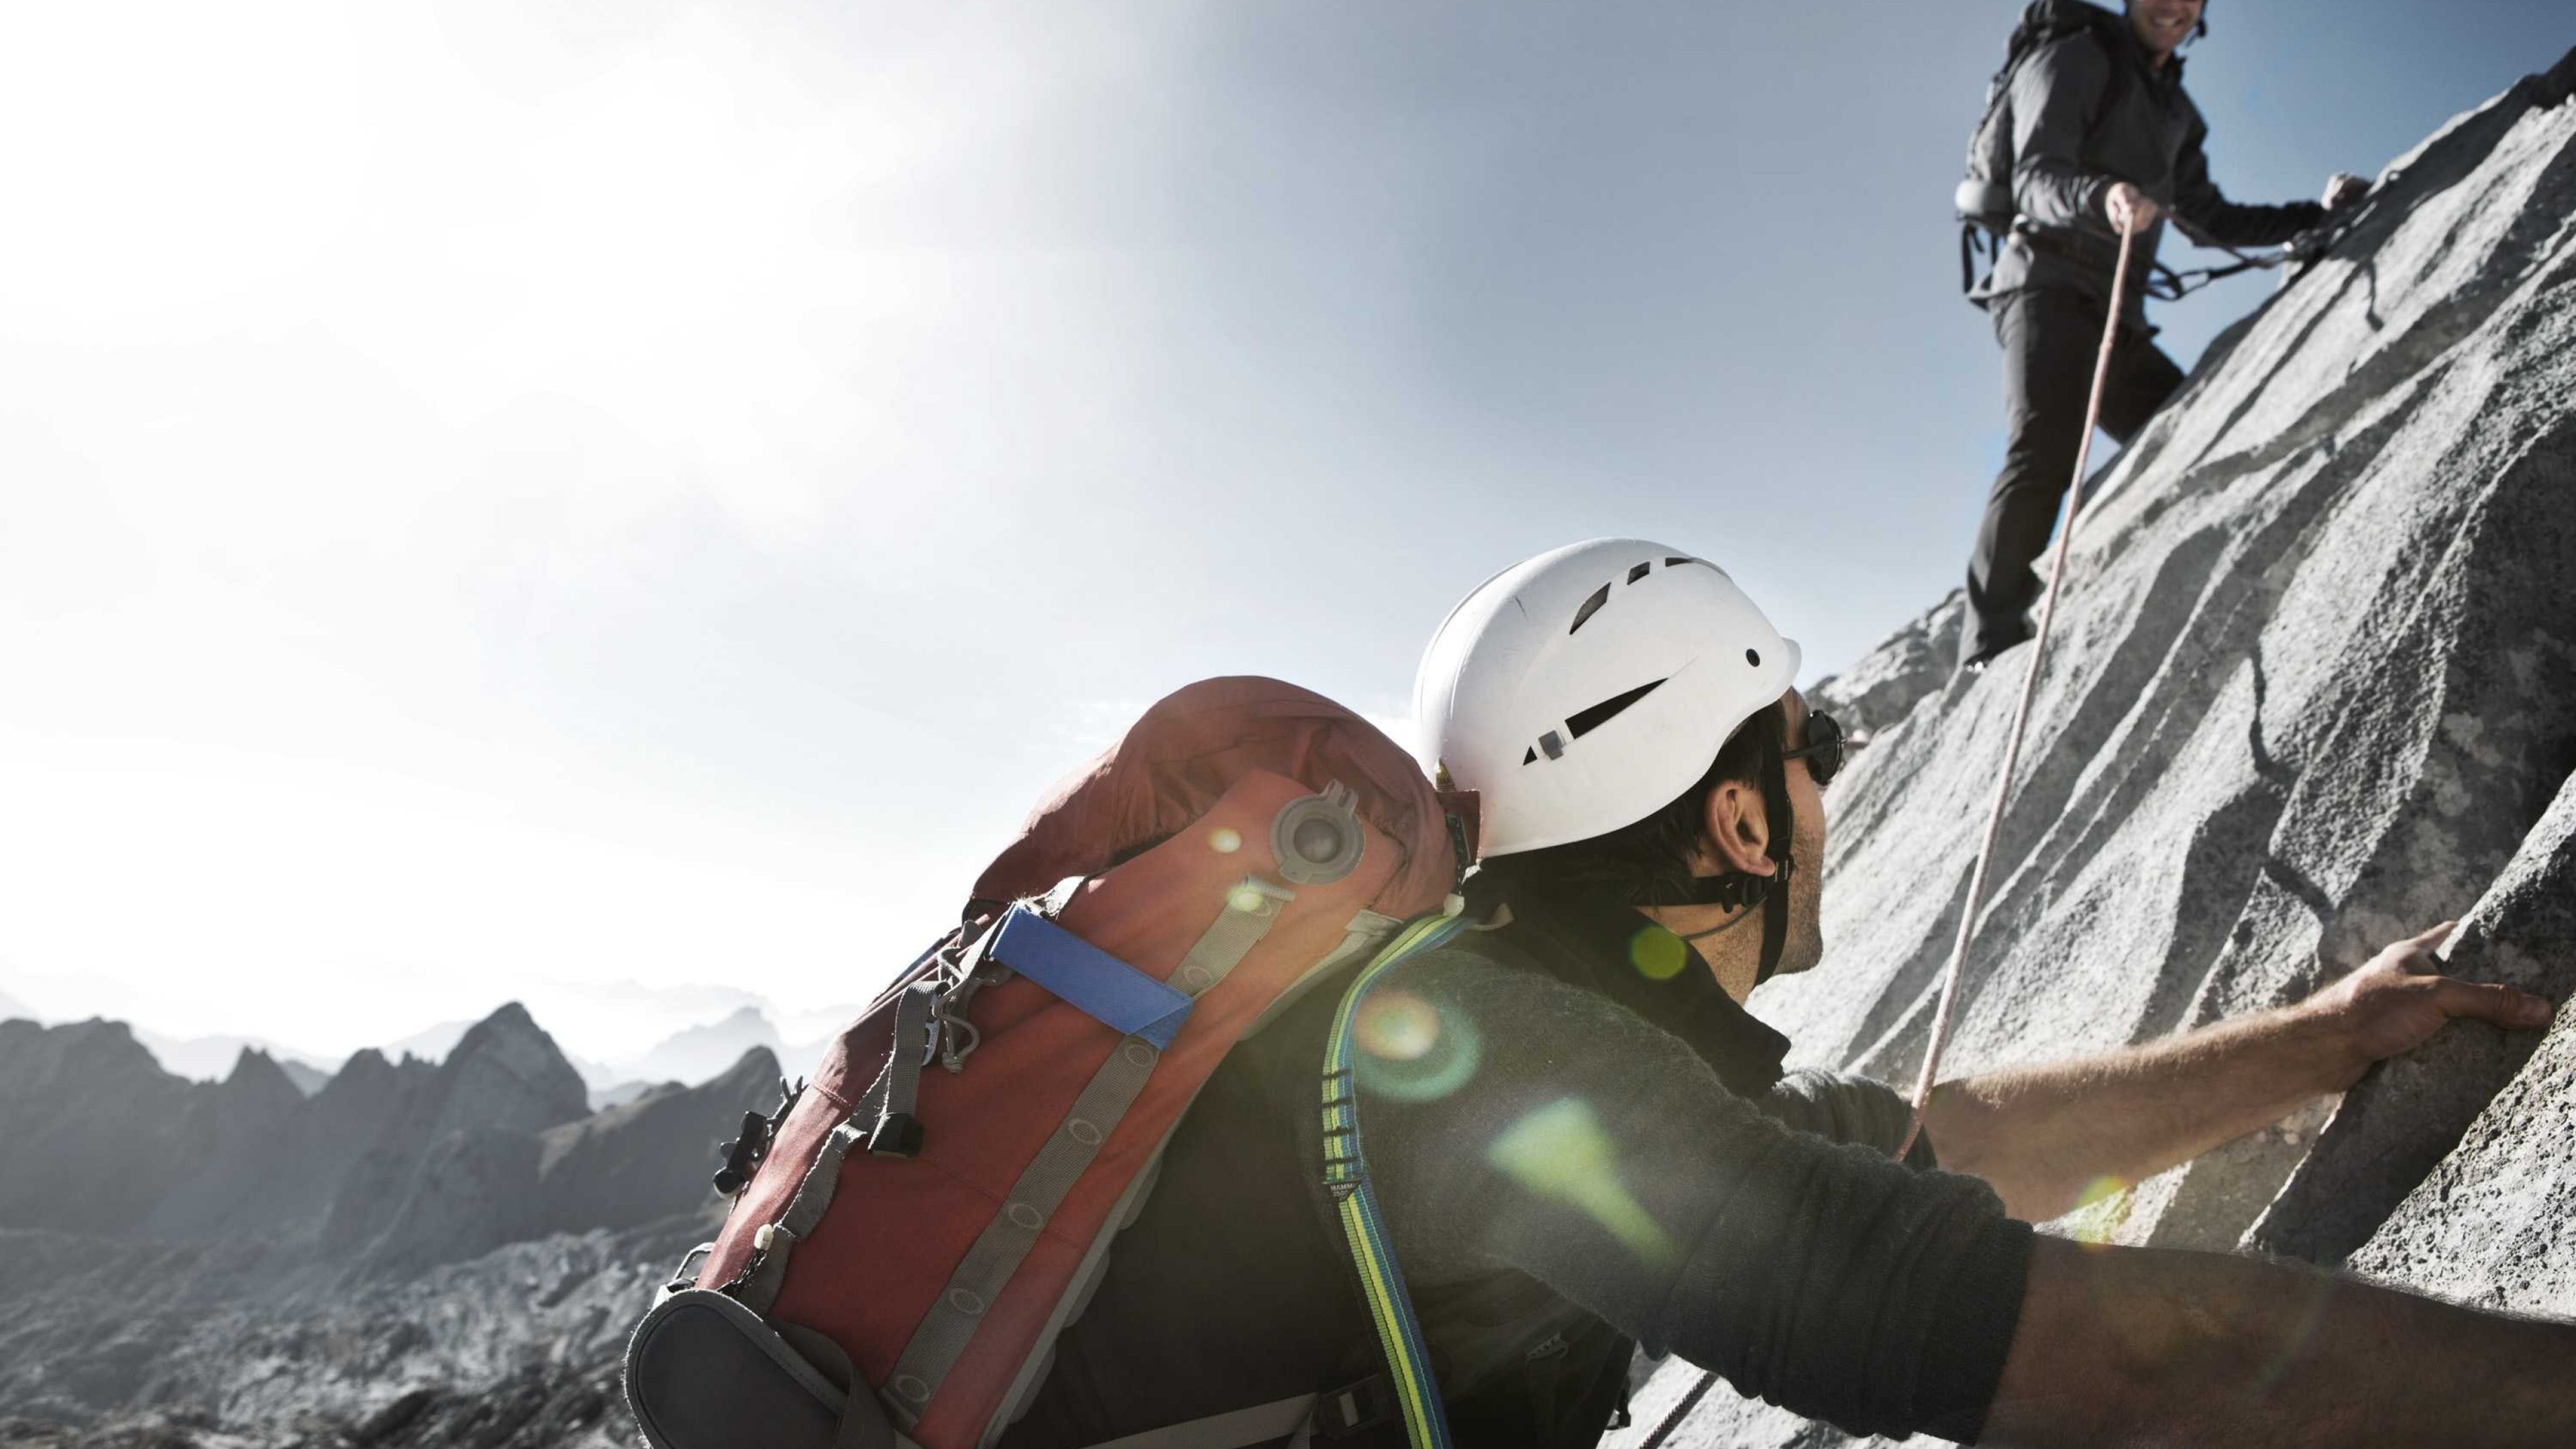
x=390 y=1166
x=690 y=1057
x=212 y=1058
x=702 y=1051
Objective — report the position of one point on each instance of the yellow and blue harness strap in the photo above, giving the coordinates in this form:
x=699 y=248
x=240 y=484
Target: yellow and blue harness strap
x=1408 y=1361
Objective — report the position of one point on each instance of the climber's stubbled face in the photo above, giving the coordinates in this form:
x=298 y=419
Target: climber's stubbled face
x=1806 y=943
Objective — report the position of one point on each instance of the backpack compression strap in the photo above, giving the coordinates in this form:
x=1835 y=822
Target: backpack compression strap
x=1399 y=1334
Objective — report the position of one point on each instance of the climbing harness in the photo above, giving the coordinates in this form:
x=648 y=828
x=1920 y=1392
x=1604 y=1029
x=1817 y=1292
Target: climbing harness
x=2021 y=711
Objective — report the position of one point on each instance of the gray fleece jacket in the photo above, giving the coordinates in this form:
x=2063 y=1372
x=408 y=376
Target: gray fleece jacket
x=2088 y=111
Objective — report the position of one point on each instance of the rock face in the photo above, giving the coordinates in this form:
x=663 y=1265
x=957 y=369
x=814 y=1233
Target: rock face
x=2488 y=1224
x=2313 y=689
x=1891 y=679
x=2398 y=1124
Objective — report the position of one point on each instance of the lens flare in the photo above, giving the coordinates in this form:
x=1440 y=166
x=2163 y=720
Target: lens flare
x=1412 y=1049
x=2100 y=1211
x=1226 y=842
x=1560 y=1151
x=1398 y=1026
x=1658 y=954
x=1246 y=899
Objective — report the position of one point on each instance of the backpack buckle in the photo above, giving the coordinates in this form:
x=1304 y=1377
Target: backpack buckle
x=742 y=1156
x=1354 y=1408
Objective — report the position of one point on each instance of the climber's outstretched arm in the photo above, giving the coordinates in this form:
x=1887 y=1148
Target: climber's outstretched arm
x=2043 y=1135
x=2138 y=1346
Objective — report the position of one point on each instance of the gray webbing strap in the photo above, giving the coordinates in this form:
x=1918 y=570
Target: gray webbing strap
x=775 y=1241
x=1256 y=1425
x=912 y=1012
x=1006 y=1240
x=1250 y=908
x=863 y=1420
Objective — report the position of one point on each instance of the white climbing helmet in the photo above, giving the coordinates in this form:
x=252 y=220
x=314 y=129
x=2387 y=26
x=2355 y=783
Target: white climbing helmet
x=1585 y=689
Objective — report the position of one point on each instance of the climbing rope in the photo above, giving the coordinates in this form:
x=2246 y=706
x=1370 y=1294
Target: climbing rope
x=2003 y=789
x=2021 y=712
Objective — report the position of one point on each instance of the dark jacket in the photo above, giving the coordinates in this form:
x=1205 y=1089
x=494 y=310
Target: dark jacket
x=1577 y=1144
x=2087 y=111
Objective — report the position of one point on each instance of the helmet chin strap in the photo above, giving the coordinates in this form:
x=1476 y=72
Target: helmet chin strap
x=1775 y=901
x=1739 y=889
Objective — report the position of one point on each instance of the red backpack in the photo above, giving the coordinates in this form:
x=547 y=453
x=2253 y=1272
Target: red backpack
x=915 y=1227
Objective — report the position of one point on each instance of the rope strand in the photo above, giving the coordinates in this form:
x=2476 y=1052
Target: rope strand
x=2003 y=787
x=2021 y=712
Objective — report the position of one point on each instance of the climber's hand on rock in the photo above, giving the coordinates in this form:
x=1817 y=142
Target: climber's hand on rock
x=2344 y=189
x=2129 y=209
x=2400 y=997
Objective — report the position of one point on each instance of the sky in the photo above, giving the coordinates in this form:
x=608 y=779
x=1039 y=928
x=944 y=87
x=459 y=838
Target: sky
x=624 y=504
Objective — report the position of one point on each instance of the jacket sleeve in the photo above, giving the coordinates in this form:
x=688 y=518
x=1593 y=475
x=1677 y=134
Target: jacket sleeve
x=2054 y=97
x=2210 y=218
x=1841 y=1108
x=1557 y=1135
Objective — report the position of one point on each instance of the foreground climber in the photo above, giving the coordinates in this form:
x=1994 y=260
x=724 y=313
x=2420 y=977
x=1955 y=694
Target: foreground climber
x=2103 y=141
x=1581 y=1140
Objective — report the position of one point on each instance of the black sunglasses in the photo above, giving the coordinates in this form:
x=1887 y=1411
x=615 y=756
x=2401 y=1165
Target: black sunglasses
x=1826 y=747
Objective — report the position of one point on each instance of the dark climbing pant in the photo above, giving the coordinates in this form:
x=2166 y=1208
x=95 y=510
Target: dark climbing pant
x=2050 y=338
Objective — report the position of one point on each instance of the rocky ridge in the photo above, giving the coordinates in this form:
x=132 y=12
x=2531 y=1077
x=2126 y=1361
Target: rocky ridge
x=2310 y=693
x=418 y=1253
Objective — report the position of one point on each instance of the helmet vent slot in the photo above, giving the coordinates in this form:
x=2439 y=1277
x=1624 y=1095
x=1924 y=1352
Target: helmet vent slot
x=1584 y=721
x=1640 y=571
x=1591 y=606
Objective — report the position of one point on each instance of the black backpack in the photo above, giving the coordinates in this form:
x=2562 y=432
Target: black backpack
x=1984 y=200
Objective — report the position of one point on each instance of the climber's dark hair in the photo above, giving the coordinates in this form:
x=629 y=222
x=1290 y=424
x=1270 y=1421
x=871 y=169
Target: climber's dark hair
x=1650 y=860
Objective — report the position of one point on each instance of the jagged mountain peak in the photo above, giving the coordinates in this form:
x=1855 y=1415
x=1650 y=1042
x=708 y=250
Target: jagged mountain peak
x=368 y=1076
x=510 y=1019
x=507 y=1072
x=700 y=1053
x=757 y=1067
x=257 y=1080
x=96 y=1054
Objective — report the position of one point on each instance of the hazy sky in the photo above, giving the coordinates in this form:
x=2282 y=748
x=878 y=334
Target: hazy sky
x=611 y=501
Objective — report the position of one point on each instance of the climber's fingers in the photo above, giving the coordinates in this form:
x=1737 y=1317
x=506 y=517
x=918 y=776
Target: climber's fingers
x=2419 y=957
x=2501 y=1005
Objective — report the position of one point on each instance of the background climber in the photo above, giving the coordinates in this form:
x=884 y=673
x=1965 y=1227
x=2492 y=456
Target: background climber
x=2103 y=140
